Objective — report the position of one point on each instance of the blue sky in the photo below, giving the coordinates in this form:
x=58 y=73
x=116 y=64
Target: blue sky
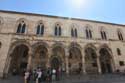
x=101 y=10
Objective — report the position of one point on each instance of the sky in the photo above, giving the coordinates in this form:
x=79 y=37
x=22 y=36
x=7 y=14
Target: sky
x=112 y=11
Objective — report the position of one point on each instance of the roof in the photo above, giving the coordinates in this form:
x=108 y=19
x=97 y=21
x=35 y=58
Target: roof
x=35 y=14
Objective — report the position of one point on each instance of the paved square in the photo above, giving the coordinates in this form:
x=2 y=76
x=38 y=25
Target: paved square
x=76 y=79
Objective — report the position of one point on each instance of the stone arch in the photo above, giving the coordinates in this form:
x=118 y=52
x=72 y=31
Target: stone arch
x=91 y=59
x=18 y=57
x=17 y=43
x=58 y=44
x=75 y=44
x=75 y=58
x=58 y=23
x=106 y=59
x=88 y=26
x=19 y=21
x=40 y=21
x=58 y=55
x=39 y=43
x=90 y=45
x=40 y=55
x=107 y=47
x=102 y=28
x=73 y=25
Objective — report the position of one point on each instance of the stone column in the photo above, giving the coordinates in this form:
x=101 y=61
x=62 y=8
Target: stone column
x=83 y=62
x=29 y=64
x=67 y=61
x=49 y=57
x=98 y=64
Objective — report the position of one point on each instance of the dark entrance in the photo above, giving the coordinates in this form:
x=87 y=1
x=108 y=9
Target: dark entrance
x=19 y=58
x=41 y=57
x=105 y=60
x=55 y=63
x=57 y=60
x=75 y=60
x=91 y=61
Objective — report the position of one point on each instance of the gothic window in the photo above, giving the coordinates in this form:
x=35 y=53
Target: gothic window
x=103 y=34
x=21 y=27
x=40 y=29
x=118 y=51
x=88 y=33
x=105 y=37
x=58 y=30
x=120 y=36
x=74 y=32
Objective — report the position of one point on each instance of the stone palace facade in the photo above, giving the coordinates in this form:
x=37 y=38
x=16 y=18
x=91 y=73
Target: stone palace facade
x=28 y=41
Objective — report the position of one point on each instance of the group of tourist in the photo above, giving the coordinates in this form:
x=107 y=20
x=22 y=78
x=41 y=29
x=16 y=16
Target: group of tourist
x=38 y=75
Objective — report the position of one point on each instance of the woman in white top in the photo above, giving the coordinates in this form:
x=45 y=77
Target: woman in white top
x=39 y=73
x=53 y=74
x=26 y=76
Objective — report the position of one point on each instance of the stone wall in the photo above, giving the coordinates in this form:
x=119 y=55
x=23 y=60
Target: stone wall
x=10 y=22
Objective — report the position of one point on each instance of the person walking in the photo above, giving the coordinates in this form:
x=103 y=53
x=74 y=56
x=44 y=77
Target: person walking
x=49 y=74
x=39 y=73
x=53 y=74
x=35 y=74
x=27 y=77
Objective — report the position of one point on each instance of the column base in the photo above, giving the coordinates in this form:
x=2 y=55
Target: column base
x=99 y=73
x=3 y=75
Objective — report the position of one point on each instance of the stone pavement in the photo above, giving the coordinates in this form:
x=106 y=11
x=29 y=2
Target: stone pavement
x=109 y=78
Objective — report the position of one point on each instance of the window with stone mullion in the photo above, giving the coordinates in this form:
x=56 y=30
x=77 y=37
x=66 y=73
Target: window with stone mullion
x=87 y=34
x=42 y=29
x=105 y=37
x=59 y=31
x=90 y=34
x=23 y=28
x=120 y=36
x=72 y=32
x=75 y=32
x=38 y=30
x=102 y=35
x=56 y=31
x=19 y=28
